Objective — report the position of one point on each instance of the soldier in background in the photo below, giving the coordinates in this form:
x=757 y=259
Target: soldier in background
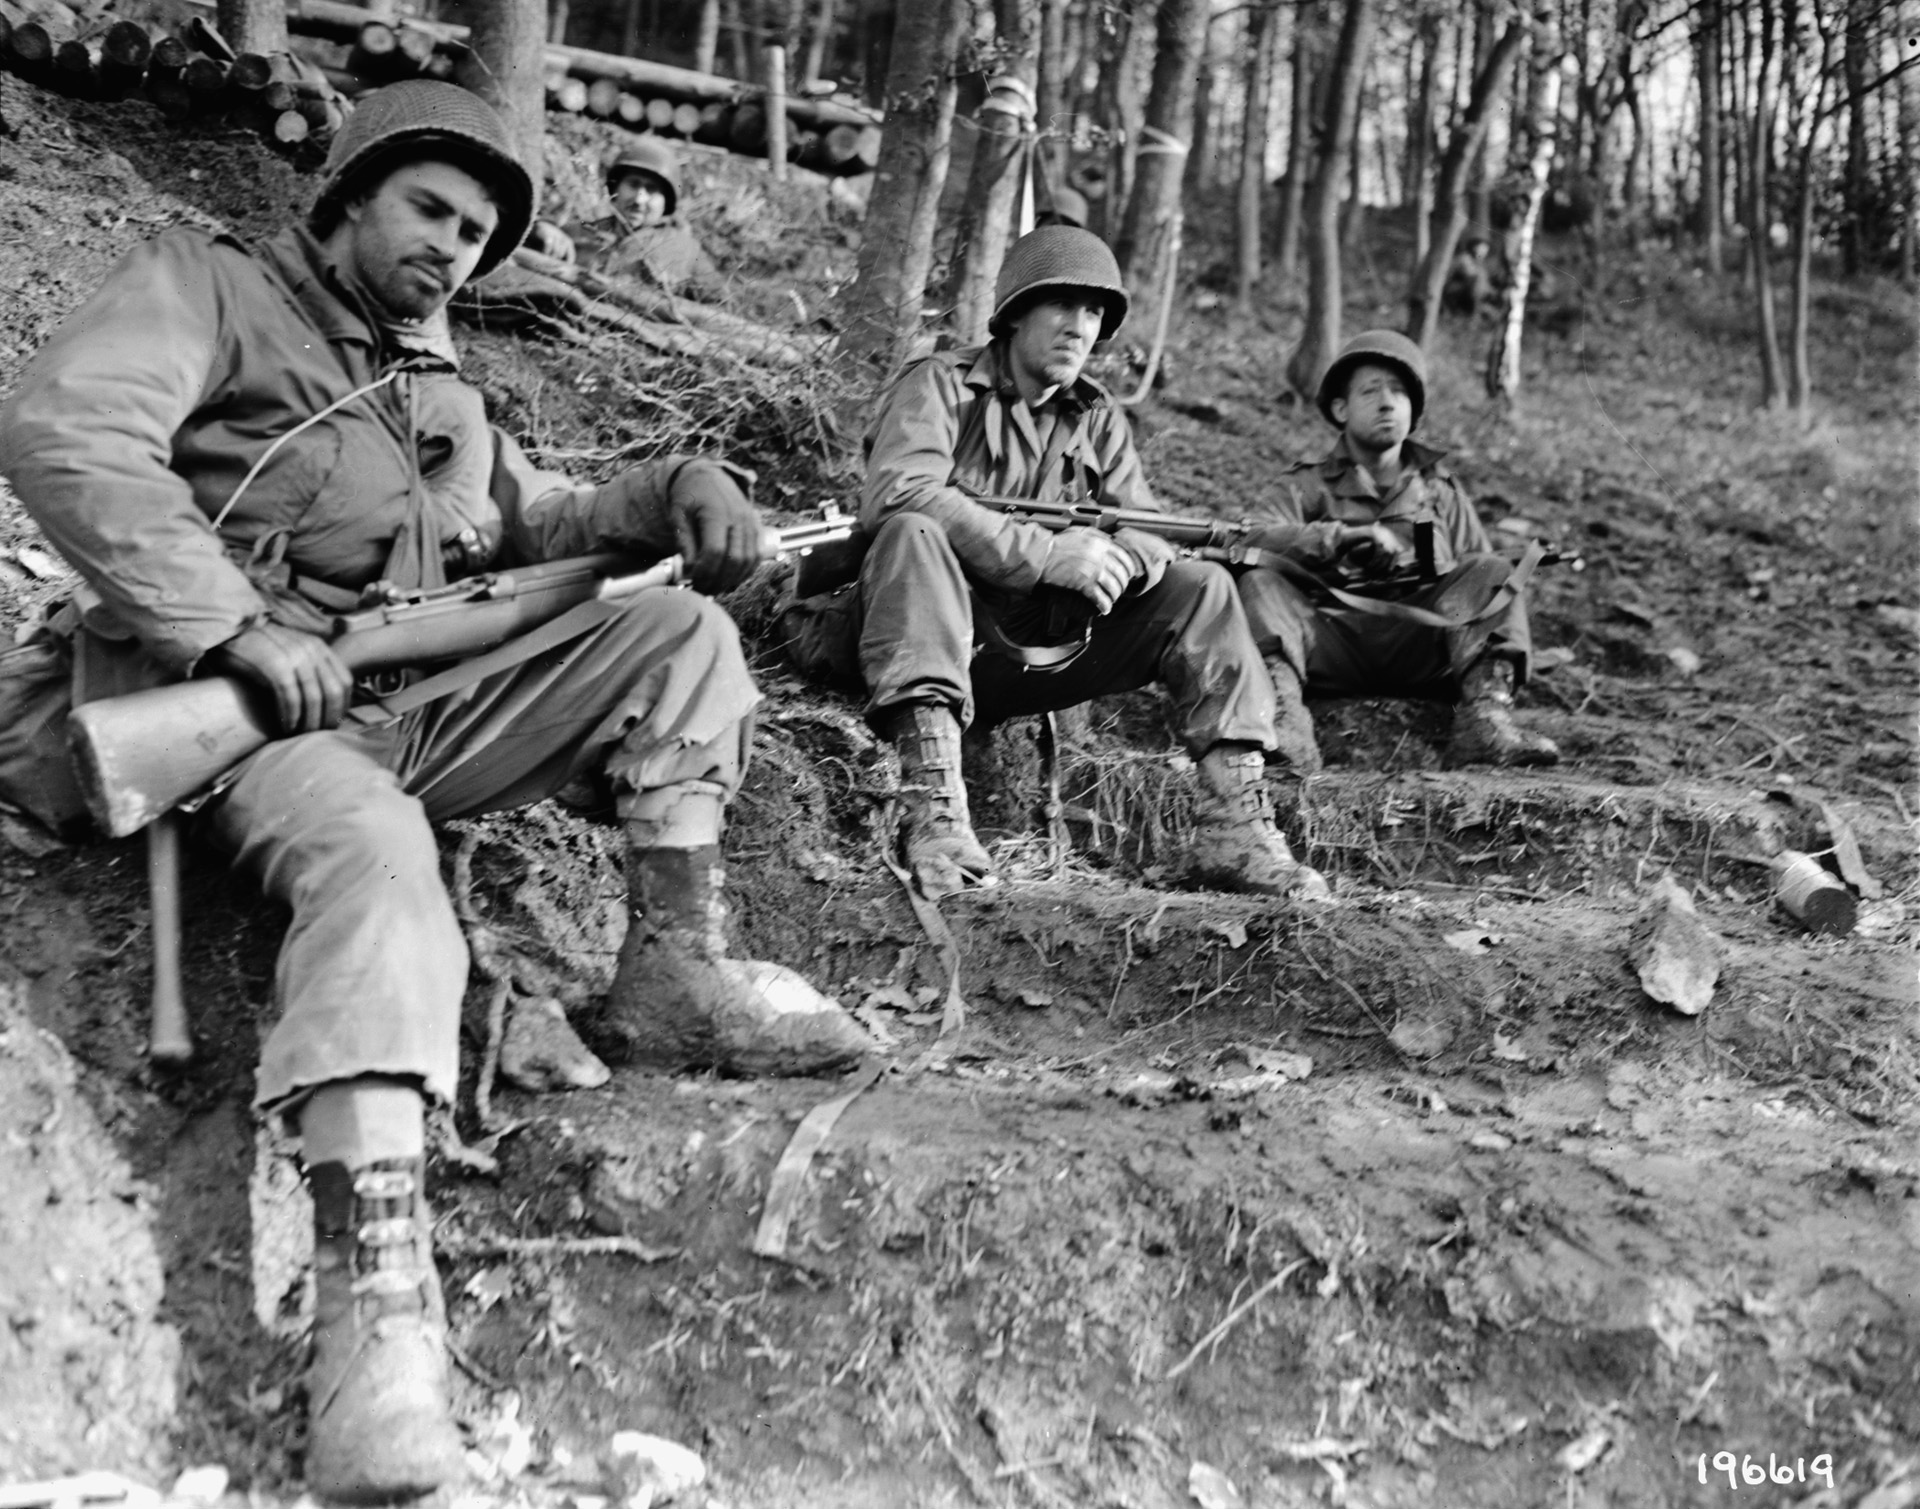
x=640 y=237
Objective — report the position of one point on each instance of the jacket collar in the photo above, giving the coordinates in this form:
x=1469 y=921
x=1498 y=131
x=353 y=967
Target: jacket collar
x=345 y=317
x=1342 y=470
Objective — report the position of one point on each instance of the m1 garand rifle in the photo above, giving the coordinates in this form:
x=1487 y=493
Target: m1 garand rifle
x=142 y=755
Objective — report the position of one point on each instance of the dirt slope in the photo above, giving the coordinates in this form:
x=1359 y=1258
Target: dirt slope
x=1416 y=1200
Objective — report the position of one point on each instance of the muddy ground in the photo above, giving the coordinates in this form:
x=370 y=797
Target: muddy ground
x=1413 y=1200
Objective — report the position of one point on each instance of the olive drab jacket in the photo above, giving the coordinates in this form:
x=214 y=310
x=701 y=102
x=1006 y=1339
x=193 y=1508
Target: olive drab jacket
x=220 y=429
x=1303 y=515
x=954 y=424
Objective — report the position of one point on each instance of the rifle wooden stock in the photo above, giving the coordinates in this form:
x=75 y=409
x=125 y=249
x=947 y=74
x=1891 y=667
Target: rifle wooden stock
x=143 y=754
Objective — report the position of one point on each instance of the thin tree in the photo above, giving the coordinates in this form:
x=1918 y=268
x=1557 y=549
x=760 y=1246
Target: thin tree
x=1760 y=214
x=1426 y=44
x=1712 y=189
x=1145 y=247
x=1055 y=125
x=1542 y=128
x=1262 y=28
x=990 y=211
x=1320 y=331
x=1806 y=131
x=1449 y=196
x=504 y=65
x=880 y=308
x=1300 y=125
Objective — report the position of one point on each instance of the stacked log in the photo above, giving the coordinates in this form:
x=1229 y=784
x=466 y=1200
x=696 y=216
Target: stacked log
x=194 y=74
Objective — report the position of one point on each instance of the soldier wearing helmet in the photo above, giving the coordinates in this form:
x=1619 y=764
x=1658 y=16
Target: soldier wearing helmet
x=640 y=236
x=1354 y=613
x=230 y=445
x=968 y=616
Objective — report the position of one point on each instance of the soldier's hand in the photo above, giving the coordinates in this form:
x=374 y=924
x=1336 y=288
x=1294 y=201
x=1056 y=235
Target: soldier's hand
x=1086 y=561
x=550 y=241
x=718 y=530
x=1151 y=554
x=1374 y=548
x=310 y=685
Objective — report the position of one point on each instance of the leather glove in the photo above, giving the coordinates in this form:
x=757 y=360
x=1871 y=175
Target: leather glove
x=1086 y=561
x=718 y=531
x=1150 y=553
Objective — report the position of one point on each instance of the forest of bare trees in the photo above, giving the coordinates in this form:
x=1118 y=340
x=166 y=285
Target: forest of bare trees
x=1754 y=137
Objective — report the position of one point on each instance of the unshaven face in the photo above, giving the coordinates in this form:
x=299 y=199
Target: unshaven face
x=1050 y=342
x=417 y=236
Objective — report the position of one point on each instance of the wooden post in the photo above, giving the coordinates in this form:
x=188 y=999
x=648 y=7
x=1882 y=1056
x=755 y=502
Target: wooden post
x=777 y=112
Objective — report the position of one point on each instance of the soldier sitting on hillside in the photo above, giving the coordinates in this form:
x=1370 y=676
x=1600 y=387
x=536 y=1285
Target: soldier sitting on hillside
x=1346 y=623
x=229 y=444
x=966 y=614
x=639 y=237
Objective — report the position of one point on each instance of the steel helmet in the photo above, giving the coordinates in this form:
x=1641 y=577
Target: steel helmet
x=645 y=156
x=1380 y=348
x=1058 y=256
x=1067 y=207
x=427 y=118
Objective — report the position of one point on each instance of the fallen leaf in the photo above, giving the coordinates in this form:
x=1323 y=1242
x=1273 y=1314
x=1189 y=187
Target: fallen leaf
x=1234 y=932
x=1489 y=1142
x=1422 y=1037
x=1034 y=1000
x=1578 y=1455
x=1211 y=1488
x=42 y=565
x=1506 y=1049
x=1683 y=660
x=1471 y=940
x=1547 y=660
x=1675 y=954
x=489 y=1286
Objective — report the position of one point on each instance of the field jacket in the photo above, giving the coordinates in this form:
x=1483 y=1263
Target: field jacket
x=1315 y=499
x=954 y=424
x=217 y=424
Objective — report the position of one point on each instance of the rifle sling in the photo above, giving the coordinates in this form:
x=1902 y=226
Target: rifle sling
x=581 y=619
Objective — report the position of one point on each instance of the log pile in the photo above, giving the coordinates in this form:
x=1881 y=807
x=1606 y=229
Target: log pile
x=296 y=100
x=191 y=75
x=357 y=51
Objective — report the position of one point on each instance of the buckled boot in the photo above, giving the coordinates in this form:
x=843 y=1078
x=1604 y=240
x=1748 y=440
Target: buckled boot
x=678 y=1001
x=1297 y=751
x=1236 y=846
x=378 y=1426
x=1484 y=729
x=937 y=841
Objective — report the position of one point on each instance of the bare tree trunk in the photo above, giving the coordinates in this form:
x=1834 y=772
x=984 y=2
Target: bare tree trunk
x=1450 y=207
x=1202 y=171
x=1286 y=236
x=1800 y=306
x=880 y=309
x=253 y=25
x=992 y=206
x=818 y=40
x=706 y=40
x=505 y=66
x=1760 y=217
x=1320 y=332
x=1145 y=242
x=1908 y=140
x=1351 y=208
x=1712 y=189
x=1478 y=190
x=1262 y=26
x=1420 y=137
x=1052 y=94
x=1122 y=49
x=1855 y=59
x=1543 y=125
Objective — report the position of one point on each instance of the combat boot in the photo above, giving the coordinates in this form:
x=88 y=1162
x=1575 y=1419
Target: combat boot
x=1484 y=730
x=1297 y=752
x=936 y=832
x=1236 y=846
x=678 y=1001
x=378 y=1426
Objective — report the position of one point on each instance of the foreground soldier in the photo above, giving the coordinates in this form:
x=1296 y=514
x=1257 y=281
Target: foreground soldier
x=946 y=576
x=223 y=441
x=1353 y=514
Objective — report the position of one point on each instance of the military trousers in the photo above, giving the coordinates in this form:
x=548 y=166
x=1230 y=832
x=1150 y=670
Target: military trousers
x=338 y=825
x=1344 y=652
x=919 y=613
